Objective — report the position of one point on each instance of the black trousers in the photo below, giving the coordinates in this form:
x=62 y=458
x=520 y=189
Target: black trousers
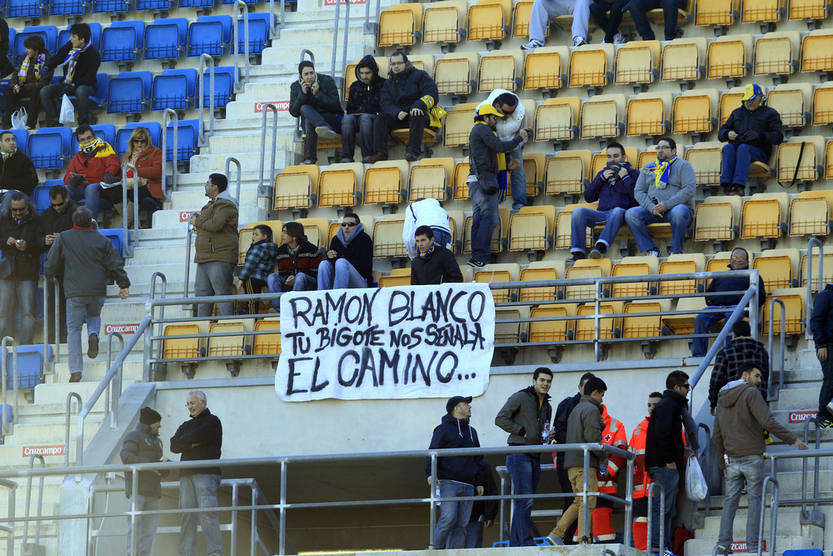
x=385 y=124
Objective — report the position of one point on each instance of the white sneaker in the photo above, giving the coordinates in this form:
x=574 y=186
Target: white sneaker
x=532 y=45
x=578 y=41
x=324 y=132
x=619 y=38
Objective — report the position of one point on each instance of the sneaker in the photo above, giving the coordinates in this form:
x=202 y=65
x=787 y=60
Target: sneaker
x=722 y=550
x=75 y=377
x=578 y=41
x=595 y=254
x=309 y=161
x=619 y=38
x=577 y=256
x=325 y=132
x=652 y=252
x=92 y=347
x=532 y=45
x=552 y=540
x=824 y=424
x=476 y=264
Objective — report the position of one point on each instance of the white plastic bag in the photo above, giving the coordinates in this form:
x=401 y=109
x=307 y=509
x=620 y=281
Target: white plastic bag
x=695 y=484
x=67 y=111
x=19 y=118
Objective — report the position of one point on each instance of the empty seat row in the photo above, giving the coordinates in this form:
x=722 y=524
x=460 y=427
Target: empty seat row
x=237 y=339
x=40 y=8
x=135 y=92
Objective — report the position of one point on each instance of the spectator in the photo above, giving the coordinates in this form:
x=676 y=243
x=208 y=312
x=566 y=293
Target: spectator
x=87 y=261
x=739 y=423
x=199 y=438
x=215 y=249
x=544 y=10
x=513 y=120
x=584 y=426
x=54 y=220
x=526 y=417
x=665 y=454
x=147 y=159
x=425 y=212
x=95 y=162
x=821 y=323
x=639 y=12
x=750 y=132
x=457 y=475
x=408 y=99
x=314 y=97
x=259 y=264
x=16 y=169
x=483 y=512
x=6 y=67
x=559 y=426
x=703 y=322
x=608 y=15
x=435 y=264
x=142 y=445
x=640 y=476
x=613 y=434
x=743 y=351
x=487 y=163
x=80 y=60
x=298 y=261
x=613 y=188
x=349 y=262
x=31 y=76
x=665 y=193
x=362 y=110
x=19 y=268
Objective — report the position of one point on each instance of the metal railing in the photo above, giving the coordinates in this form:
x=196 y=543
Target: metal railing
x=340 y=81
x=651 y=522
x=130 y=239
x=203 y=139
x=146 y=370
x=371 y=27
x=817 y=446
x=276 y=24
x=39 y=514
x=239 y=82
x=9 y=529
x=113 y=392
x=189 y=239
x=6 y=343
x=772 y=392
x=773 y=515
x=808 y=309
x=70 y=397
x=229 y=161
x=49 y=362
x=268 y=107
x=707 y=469
x=169 y=115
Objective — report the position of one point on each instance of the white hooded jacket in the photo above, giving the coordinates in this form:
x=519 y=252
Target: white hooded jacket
x=508 y=126
x=426 y=212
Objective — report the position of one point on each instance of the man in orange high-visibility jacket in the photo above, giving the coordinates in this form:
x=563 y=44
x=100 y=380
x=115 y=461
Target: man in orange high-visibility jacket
x=640 y=477
x=613 y=435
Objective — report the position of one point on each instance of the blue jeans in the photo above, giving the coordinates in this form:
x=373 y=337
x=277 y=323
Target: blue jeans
x=79 y=310
x=441 y=237
x=638 y=219
x=734 y=166
x=518 y=176
x=703 y=322
x=17 y=297
x=525 y=471
x=485 y=216
x=92 y=198
x=454 y=516
x=145 y=525
x=349 y=124
x=474 y=534
x=747 y=470
x=199 y=491
x=584 y=218
x=51 y=95
x=340 y=275
x=303 y=282
x=667 y=479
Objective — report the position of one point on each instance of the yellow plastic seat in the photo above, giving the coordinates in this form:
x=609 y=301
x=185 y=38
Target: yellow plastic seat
x=385 y=181
x=694 y=111
x=729 y=57
x=295 y=186
x=544 y=68
x=387 y=237
x=586 y=268
x=397 y=277
x=788 y=159
x=609 y=327
x=809 y=9
x=681 y=263
x=227 y=346
x=810 y=213
x=182 y=348
x=794 y=303
x=763 y=215
x=634 y=266
x=777 y=54
x=539 y=271
x=591 y=65
x=350 y=73
x=828 y=157
x=332 y=231
x=338 y=184
x=634 y=326
x=557 y=119
x=535 y=165
x=815 y=50
x=443 y=22
x=508 y=332
x=458 y=123
x=637 y=62
x=461 y=186
x=791 y=102
x=716 y=218
x=532 y=228
x=778 y=267
x=814 y=281
x=646 y=156
x=500 y=69
x=488 y=20
x=316 y=230
x=602 y=116
x=548 y=331
x=521 y=14
x=267 y=344
x=716 y=12
x=499 y=235
x=400 y=25
x=705 y=157
x=683 y=59
x=456 y=72
x=563 y=227
x=729 y=101
x=431 y=178
x=823 y=104
x=763 y=11
x=684 y=323
x=568 y=172
x=505 y=272
x=647 y=114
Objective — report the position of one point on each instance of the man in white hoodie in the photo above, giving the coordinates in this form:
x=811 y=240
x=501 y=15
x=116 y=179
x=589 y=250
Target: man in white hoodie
x=425 y=212
x=514 y=119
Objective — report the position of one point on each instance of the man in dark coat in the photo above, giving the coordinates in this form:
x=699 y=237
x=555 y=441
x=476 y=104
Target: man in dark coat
x=349 y=262
x=81 y=61
x=16 y=169
x=19 y=242
x=362 y=109
x=435 y=264
x=54 y=220
x=751 y=131
x=408 y=96
x=821 y=323
x=314 y=97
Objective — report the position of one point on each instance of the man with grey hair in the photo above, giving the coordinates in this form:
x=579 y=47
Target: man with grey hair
x=87 y=261
x=199 y=438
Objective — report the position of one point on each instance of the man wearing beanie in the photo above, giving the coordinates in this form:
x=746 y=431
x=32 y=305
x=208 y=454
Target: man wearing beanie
x=457 y=475
x=142 y=445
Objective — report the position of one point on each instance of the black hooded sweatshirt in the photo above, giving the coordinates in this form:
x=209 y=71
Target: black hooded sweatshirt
x=364 y=99
x=457 y=433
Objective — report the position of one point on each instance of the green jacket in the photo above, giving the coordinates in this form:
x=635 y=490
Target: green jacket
x=522 y=415
x=216 y=228
x=584 y=427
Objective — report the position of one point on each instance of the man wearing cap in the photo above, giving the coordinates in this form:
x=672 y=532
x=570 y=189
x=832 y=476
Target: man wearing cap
x=457 y=475
x=142 y=445
x=487 y=179
x=750 y=132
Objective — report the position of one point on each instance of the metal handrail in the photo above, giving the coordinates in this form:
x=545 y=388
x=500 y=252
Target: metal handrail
x=32 y=459
x=344 y=44
x=49 y=362
x=274 y=109
x=114 y=389
x=334 y=55
x=7 y=342
x=130 y=242
x=203 y=139
x=275 y=27
x=9 y=529
x=188 y=240
x=236 y=7
x=808 y=309
x=651 y=516
x=773 y=515
x=806 y=430
x=229 y=161
x=772 y=392
x=70 y=397
x=166 y=119
x=158 y=330
x=707 y=469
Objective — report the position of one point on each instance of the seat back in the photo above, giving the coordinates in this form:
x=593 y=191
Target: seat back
x=601 y=116
x=728 y=57
x=775 y=53
x=646 y=114
x=210 y=35
x=488 y=19
x=589 y=65
x=49 y=147
x=295 y=186
x=763 y=215
x=455 y=72
x=181 y=348
x=763 y=11
x=166 y=38
x=123 y=135
x=121 y=41
x=259 y=26
x=267 y=344
x=693 y=113
x=187 y=132
x=556 y=119
x=543 y=68
x=231 y=346
x=823 y=105
x=808 y=9
x=458 y=124
x=637 y=62
x=174 y=88
x=443 y=21
x=683 y=59
x=129 y=92
x=567 y=172
x=387 y=237
x=461 y=186
x=385 y=181
x=399 y=23
x=223 y=86
x=548 y=331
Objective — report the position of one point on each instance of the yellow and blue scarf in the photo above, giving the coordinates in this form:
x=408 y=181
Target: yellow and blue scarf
x=40 y=61
x=72 y=61
x=430 y=250
x=502 y=174
x=6 y=155
x=104 y=148
x=661 y=171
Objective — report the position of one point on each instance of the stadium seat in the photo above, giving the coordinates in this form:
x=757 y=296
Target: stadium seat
x=507 y=332
x=458 y=123
x=550 y=331
x=196 y=3
x=259 y=28
x=808 y=166
x=155 y=5
x=563 y=228
x=105 y=131
x=810 y=213
x=223 y=86
x=694 y=111
x=123 y=135
x=166 y=38
x=764 y=215
x=227 y=346
x=813 y=48
x=296 y=187
x=637 y=63
x=603 y=117
x=122 y=41
x=40 y=195
x=444 y=22
x=110 y=6
x=828 y=157
x=794 y=303
x=386 y=182
x=809 y=9
x=827 y=278
x=350 y=72
x=823 y=104
x=431 y=178
x=129 y=92
x=532 y=228
x=729 y=57
x=591 y=65
x=586 y=268
x=210 y=34
x=456 y=73
x=717 y=218
x=244 y=236
x=499 y=236
x=95 y=35
x=338 y=184
x=763 y=11
x=400 y=25
x=792 y=103
x=316 y=230
x=387 y=237
x=182 y=348
x=729 y=100
x=683 y=60
x=49 y=147
x=557 y=119
x=609 y=327
x=641 y=326
x=716 y=13
x=521 y=15
x=535 y=165
x=544 y=68
x=635 y=266
x=684 y=324
x=397 y=277
x=720 y=261
x=648 y=114
x=461 y=174
x=489 y=20
x=30 y=359
x=102 y=88
x=500 y=69
x=117 y=237
x=49 y=34
x=25 y=8
x=501 y=272
x=187 y=132
x=646 y=156
x=267 y=344
x=538 y=271
x=175 y=88
x=705 y=157
x=568 y=172
x=778 y=268
x=681 y=263
x=776 y=54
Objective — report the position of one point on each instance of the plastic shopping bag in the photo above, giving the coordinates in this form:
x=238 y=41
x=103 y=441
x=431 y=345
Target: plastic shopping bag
x=67 y=111
x=19 y=118
x=695 y=484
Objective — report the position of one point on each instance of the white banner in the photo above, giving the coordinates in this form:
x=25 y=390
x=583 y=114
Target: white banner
x=386 y=343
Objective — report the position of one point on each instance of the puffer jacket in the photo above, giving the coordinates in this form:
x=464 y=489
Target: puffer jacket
x=364 y=99
x=404 y=90
x=216 y=228
x=765 y=122
x=508 y=126
x=141 y=445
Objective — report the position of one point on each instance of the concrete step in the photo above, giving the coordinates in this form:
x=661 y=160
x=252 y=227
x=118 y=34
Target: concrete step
x=173 y=218
x=788 y=523
x=46 y=433
x=703 y=547
x=248 y=159
x=797 y=396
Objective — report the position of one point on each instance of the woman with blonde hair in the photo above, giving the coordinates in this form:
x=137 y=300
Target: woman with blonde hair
x=148 y=162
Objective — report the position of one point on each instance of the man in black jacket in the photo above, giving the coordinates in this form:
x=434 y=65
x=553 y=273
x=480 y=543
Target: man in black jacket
x=20 y=244
x=54 y=220
x=664 y=452
x=362 y=110
x=16 y=169
x=349 y=262
x=199 y=438
x=314 y=97
x=703 y=322
x=457 y=475
x=81 y=61
x=821 y=323
x=751 y=131
x=6 y=66
x=407 y=98
x=487 y=160
x=435 y=264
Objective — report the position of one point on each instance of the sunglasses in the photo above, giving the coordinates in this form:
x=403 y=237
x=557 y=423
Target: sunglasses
x=58 y=205
x=140 y=140
x=349 y=224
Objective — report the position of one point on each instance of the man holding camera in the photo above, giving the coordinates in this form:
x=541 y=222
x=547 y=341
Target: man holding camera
x=613 y=188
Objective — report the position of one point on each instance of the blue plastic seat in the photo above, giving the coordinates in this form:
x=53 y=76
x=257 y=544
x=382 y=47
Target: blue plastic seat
x=129 y=92
x=106 y=6
x=24 y=8
x=49 y=33
x=223 y=86
x=68 y=7
x=21 y=138
x=166 y=38
x=258 y=33
x=158 y=5
x=107 y=132
x=123 y=135
x=187 y=135
x=249 y=2
x=122 y=41
x=95 y=35
x=197 y=3
x=210 y=34
x=174 y=88
x=40 y=197
x=102 y=87
x=49 y=147
x=116 y=235
x=804 y=552
x=30 y=360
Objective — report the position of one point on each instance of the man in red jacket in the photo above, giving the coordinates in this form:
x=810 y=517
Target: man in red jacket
x=95 y=162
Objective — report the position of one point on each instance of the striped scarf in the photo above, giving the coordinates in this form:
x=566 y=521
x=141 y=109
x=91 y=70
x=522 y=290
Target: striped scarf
x=72 y=61
x=6 y=155
x=23 y=72
x=430 y=250
x=661 y=172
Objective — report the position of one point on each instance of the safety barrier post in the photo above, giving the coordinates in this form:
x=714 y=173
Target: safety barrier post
x=169 y=115
x=203 y=136
x=70 y=397
x=269 y=107
x=229 y=161
x=808 y=309
x=7 y=342
x=29 y=500
x=773 y=515
x=772 y=392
